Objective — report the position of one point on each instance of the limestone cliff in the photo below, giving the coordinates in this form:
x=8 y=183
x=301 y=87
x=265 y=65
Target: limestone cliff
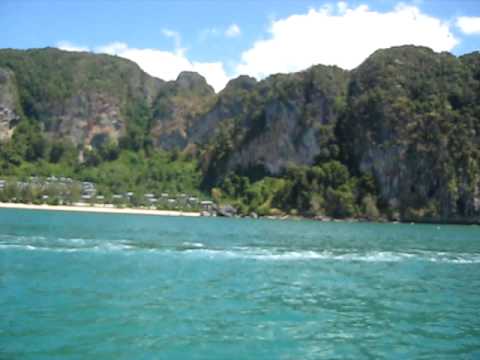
x=78 y=96
x=176 y=109
x=286 y=118
x=413 y=122
x=9 y=108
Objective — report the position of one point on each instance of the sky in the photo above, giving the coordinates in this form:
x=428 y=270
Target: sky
x=222 y=39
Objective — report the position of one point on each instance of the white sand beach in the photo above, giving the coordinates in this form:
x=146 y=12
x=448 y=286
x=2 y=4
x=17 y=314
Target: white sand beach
x=97 y=209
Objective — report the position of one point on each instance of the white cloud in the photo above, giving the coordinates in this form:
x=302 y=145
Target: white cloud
x=68 y=46
x=162 y=64
x=335 y=34
x=341 y=35
x=112 y=48
x=167 y=65
x=230 y=32
x=233 y=31
x=469 y=25
x=175 y=36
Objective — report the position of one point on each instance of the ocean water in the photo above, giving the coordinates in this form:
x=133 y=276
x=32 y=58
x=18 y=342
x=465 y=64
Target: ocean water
x=102 y=286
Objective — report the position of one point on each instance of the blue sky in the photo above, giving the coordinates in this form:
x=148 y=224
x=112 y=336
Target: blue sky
x=222 y=39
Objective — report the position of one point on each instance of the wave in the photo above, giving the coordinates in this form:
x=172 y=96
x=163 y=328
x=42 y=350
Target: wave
x=372 y=256
x=191 y=246
x=200 y=250
x=106 y=247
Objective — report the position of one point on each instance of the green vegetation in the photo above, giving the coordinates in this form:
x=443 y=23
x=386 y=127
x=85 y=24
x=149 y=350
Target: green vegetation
x=322 y=190
x=325 y=189
x=112 y=168
x=413 y=119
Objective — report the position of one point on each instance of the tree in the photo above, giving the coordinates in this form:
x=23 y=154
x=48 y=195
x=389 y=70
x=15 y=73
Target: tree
x=29 y=141
x=340 y=203
x=370 y=208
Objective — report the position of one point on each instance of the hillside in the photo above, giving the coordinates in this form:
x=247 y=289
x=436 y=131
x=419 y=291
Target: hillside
x=412 y=121
x=396 y=137
x=91 y=99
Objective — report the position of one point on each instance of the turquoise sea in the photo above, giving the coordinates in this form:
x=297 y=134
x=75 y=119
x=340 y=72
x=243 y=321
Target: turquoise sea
x=103 y=286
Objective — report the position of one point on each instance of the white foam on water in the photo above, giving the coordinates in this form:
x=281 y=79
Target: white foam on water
x=195 y=245
x=374 y=256
x=69 y=245
x=309 y=255
x=74 y=241
x=113 y=246
x=16 y=238
x=17 y=246
x=198 y=249
x=27 y=247
x=211 y=253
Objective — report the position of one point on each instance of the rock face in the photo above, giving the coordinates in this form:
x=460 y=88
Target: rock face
x=87 y=117
x=8 y=103
x=192 y=83
x=89 y=98
x=413 y=122
x=232 y=102
x=78 y=96
x=265 y=126
x=293 y=126
x=226 y=210
x=177 y=107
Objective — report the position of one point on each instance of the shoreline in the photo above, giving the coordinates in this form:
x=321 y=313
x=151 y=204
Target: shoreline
x=97 y=209
x=139 y=211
